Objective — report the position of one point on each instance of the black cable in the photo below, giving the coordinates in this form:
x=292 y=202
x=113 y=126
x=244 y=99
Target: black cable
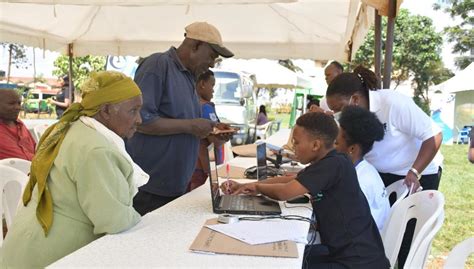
x=283 y=217
x=310 y=244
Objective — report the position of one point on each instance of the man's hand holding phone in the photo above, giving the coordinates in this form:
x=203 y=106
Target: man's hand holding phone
x=223 y=131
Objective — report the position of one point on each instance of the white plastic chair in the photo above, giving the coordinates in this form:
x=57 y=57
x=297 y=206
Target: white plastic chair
x=417 y=258
x=426 y=207
x=458 y=256
x=20 y=164
x=264 y=130
x=399 y=188
x=12 y=184
x=32 y=132
x=39 y=130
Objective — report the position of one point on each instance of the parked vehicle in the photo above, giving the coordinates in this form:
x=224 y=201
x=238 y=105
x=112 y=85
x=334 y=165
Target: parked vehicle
x=234 y=97
x=36 y=101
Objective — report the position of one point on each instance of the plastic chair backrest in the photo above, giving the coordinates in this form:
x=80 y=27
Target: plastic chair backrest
x=399 y=189
x=458 y=256
x=417 y=258
x=33 y=134
x=39 y=130
x=12 y=184
x=425 y=207
x=263 y=131
x=20 y=164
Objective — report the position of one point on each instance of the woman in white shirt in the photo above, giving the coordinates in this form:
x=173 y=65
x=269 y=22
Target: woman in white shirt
x=411 y=139
x=411 y=142
x=358 y=130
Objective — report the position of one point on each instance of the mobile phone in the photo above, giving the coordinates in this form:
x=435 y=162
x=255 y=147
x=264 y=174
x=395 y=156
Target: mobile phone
x=227 y=131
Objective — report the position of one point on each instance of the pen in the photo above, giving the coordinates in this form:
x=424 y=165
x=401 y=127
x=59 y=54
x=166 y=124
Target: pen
x=227 y=170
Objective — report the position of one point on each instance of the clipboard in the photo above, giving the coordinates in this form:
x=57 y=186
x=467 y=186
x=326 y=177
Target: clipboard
x=209 y=241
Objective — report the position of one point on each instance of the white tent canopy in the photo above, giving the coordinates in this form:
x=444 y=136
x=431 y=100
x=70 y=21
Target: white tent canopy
x=268 y=73
x=307 y=29
x=315 y=71
x=462 y=81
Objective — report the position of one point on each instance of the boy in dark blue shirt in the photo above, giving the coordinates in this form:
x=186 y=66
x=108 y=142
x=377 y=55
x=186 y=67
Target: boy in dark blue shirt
x=204 y=88
x=343 y=216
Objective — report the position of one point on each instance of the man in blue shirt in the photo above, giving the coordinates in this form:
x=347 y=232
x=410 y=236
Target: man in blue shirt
x=166 y=144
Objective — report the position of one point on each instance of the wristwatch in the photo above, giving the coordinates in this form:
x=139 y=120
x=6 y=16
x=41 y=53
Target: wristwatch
x=414 y=171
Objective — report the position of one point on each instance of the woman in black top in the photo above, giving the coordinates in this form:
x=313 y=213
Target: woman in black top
x=62 y=101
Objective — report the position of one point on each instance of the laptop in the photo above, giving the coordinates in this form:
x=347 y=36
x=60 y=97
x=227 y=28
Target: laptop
x=238 y=204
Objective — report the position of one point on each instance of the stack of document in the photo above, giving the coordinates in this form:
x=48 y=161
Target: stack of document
x=262 y=232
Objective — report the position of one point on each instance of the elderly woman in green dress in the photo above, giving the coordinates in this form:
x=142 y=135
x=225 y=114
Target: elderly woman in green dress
x=82 y=180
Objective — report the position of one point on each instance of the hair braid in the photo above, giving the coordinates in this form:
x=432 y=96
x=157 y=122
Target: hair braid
x=368 y=77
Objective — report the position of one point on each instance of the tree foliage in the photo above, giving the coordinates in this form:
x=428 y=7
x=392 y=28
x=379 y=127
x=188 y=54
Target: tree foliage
x=81 y=67
x=416 y=54
x=18 y=52
x=290 y=65
x=16 y=56
x=462 y=34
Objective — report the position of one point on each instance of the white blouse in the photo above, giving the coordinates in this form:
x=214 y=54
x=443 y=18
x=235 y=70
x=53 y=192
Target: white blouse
x=406 y=127
x=374 y=190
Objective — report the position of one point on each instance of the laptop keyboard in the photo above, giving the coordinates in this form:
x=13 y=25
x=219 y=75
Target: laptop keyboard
x=236 y=202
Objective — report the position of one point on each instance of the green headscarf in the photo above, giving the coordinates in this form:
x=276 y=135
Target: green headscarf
x=101 y=88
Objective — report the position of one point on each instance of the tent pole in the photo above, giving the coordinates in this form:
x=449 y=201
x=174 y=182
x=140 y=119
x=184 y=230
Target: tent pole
x=387 y=67
x=70 y=54
x=34 y=80
x=34 y=67
x=378 y=48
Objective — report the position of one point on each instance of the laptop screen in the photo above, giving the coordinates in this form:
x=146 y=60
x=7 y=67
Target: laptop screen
x=213 y=177
x=261 y=161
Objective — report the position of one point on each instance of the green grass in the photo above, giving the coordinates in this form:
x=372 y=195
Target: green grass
x=457 y=185
x=283 y=117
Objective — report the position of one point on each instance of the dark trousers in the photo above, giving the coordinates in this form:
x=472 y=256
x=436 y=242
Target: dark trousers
x=315 y=256
x=428 y=182
x=145 y=202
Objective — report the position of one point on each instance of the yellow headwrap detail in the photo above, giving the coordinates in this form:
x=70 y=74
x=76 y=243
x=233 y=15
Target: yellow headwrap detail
x=101 y=88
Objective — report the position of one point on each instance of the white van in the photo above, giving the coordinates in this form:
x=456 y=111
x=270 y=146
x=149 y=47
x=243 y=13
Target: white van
x=234 y=97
